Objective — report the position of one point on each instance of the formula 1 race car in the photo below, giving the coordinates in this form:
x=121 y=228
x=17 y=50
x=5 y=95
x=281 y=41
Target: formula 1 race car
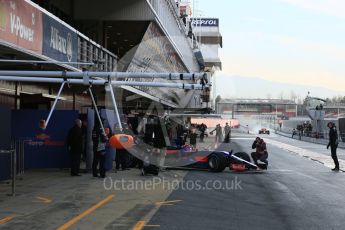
x=217 y=161
x=189 y=158
x=264 y=131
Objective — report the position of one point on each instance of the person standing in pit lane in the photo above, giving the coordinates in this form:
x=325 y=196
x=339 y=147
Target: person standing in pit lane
x=219 y=133
x=333 y=143
x=227 y=133
x=193 y=137
x=100 y=140
x=75 y=146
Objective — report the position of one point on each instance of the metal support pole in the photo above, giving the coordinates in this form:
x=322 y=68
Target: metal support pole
x=233 y=111
x=55 y=102
x=44 y=62
x=14 y=171
x=102 y=82
x=96 y=109
x=69 y=74
x=115 y=106
x=23 y=157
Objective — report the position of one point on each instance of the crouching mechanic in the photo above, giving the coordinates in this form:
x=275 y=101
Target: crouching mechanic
x=260 y=155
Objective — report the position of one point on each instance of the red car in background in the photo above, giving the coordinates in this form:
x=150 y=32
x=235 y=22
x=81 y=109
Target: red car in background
x=264 y=131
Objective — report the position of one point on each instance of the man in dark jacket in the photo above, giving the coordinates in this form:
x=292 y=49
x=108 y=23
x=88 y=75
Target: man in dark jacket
x=99 y=139
x=333 y=143
x=75 y=146
x=260 y=153
x=227 y=133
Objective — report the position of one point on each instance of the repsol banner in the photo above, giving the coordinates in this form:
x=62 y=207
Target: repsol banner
x=213 y=22
x=43 y=148
x=59 y=42
x=21 y=24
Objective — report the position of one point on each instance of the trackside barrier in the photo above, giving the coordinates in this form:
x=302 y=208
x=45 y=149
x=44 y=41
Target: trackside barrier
x=12 y=153
x=17 y=156
x=321 y=141
x=20 y=154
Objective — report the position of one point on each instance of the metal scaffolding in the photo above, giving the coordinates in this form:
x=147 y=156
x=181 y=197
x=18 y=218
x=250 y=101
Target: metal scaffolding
x=103 y=79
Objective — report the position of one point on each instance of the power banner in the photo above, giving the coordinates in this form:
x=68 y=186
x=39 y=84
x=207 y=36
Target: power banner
x=25 y=26
x=59 y=42
x=21 y=24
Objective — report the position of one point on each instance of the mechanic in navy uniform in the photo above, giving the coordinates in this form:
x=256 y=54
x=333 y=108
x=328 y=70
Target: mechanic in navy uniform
x=203 y=128
x=100 y=140
x=333 y=143
x=227 y=133
x=261 y=154
x=193 y=136
x=75 y=146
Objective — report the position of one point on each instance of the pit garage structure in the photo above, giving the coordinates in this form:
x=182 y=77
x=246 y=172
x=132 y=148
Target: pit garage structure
x=276 y=107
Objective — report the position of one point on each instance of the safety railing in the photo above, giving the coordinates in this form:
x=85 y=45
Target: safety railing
x=167 y=15
x=19 y=146
x=13 y=158
x=17 y=162
x=90 y=52
x=298 y=136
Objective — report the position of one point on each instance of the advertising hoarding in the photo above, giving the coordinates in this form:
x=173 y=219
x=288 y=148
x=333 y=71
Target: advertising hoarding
x=43 y=148
x=205 y=22
x=21 y=24
x=59 y=42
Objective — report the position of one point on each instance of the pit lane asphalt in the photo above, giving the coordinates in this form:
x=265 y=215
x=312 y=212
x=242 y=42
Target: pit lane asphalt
x=294 y=193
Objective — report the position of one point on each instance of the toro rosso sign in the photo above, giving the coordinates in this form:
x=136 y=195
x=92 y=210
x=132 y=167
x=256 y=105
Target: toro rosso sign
x=214 y=22
x=59 y=41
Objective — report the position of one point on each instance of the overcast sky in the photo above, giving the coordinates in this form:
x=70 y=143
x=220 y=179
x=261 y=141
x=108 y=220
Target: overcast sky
x=282 y=45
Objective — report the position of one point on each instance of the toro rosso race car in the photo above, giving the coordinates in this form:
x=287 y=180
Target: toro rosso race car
x=189 y=158
x=264 y=131
x=214 y=161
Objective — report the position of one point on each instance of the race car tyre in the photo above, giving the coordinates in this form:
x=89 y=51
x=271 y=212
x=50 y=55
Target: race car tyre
x=217 y=162
x=241 y=155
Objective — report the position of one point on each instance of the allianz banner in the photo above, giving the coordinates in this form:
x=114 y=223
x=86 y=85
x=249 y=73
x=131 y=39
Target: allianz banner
x=21 y=24
x=59 y=42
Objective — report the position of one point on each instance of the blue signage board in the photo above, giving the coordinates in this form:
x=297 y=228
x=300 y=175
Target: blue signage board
x=59 y=42
x=43 y=148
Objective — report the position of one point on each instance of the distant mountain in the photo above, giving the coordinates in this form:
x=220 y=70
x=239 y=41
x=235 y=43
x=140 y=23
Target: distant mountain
x=253 y=87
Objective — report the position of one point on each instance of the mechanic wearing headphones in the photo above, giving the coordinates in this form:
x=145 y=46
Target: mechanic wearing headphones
x=333 y=142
